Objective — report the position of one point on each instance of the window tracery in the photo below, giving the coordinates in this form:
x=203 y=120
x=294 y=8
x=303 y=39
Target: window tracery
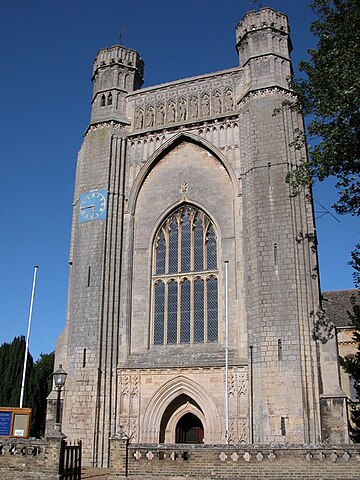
x=185 y=279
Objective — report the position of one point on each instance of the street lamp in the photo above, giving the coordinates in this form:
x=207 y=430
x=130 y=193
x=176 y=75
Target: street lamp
x=59 y=379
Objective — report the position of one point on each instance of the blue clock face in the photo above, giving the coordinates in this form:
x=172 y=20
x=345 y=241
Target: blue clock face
x=92 y=206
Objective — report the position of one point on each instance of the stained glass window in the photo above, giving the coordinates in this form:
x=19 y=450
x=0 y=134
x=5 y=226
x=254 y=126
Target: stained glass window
x=185 y=242
x=211 y=249
x=160 y=255
x=185 y=279
x=185 y=312
x=172 y=312
x=173 y=246
x=159 y=313
x=198 y=310
x=212 y=309
x=198 y=244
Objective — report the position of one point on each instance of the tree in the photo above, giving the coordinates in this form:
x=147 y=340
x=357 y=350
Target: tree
x=351 y=365
x=355 y=263
x=39 y=388
x=38 y=381
x=328 y=93
x=11 y=368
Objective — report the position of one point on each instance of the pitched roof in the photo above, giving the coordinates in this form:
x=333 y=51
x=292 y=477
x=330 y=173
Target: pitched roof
x=336 y=303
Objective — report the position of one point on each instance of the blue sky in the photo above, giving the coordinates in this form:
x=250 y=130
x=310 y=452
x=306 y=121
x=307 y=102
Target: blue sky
x=47 y=50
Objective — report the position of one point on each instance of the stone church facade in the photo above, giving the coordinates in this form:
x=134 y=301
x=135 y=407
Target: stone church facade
x=175 y=185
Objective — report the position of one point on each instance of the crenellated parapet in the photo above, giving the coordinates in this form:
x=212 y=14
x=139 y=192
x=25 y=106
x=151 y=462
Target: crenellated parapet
x=264 y=18
x=264 y=46
x=116 y=72
x=121 y=56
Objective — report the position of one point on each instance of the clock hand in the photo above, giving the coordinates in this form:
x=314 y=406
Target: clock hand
x=89 y=206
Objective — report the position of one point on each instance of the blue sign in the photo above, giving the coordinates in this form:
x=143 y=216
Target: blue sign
x=5 y=423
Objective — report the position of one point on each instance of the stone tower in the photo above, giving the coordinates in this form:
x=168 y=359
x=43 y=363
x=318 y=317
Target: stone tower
x=116 y=72
x=172 y=182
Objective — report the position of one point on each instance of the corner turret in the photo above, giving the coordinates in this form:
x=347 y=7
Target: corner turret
x=263 y=44
x=116 y=72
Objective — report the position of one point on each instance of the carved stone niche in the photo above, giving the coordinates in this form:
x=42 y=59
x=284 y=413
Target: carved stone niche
x=229 y=100
x=171 y=111
x=139 y=118
x=216 y=102
x=205 y=104
x=150 y=116
x=194 y=106
x=160 y=114
x=130 y=385
x=238 y=383
x=182 y=109
x=129 y=426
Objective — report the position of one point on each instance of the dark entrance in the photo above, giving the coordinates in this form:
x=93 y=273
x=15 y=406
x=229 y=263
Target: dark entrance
x=189 y=429
x=171 y=409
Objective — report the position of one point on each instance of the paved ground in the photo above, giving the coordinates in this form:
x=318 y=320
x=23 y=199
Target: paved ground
x=89 y=473
x=94 y=473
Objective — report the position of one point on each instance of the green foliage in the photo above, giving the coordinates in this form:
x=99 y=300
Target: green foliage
x=39 y=388
x=355 y=263
x=329 y=94
x=351 y=365
x=38 y=381
x=11 y=368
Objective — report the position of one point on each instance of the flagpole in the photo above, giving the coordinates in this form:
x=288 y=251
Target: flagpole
x=28 y=336
x=226 y=355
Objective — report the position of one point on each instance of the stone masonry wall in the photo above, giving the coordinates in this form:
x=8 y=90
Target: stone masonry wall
x=273 y=263
x=232 y=462
x=28 y=459
x=212 y=141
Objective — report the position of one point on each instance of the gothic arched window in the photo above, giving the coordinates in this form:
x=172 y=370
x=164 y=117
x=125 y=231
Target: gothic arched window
x=185 y=279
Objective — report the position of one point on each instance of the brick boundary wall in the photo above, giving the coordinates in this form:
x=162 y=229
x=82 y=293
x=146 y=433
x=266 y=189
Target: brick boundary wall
x=29 y=459
x=235 y=462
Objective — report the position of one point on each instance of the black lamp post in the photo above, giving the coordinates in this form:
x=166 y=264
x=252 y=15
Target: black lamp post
x=59 y=379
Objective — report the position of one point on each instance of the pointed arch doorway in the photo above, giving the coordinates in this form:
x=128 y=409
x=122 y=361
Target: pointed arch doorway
x=182 y=422
x=189 y=429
